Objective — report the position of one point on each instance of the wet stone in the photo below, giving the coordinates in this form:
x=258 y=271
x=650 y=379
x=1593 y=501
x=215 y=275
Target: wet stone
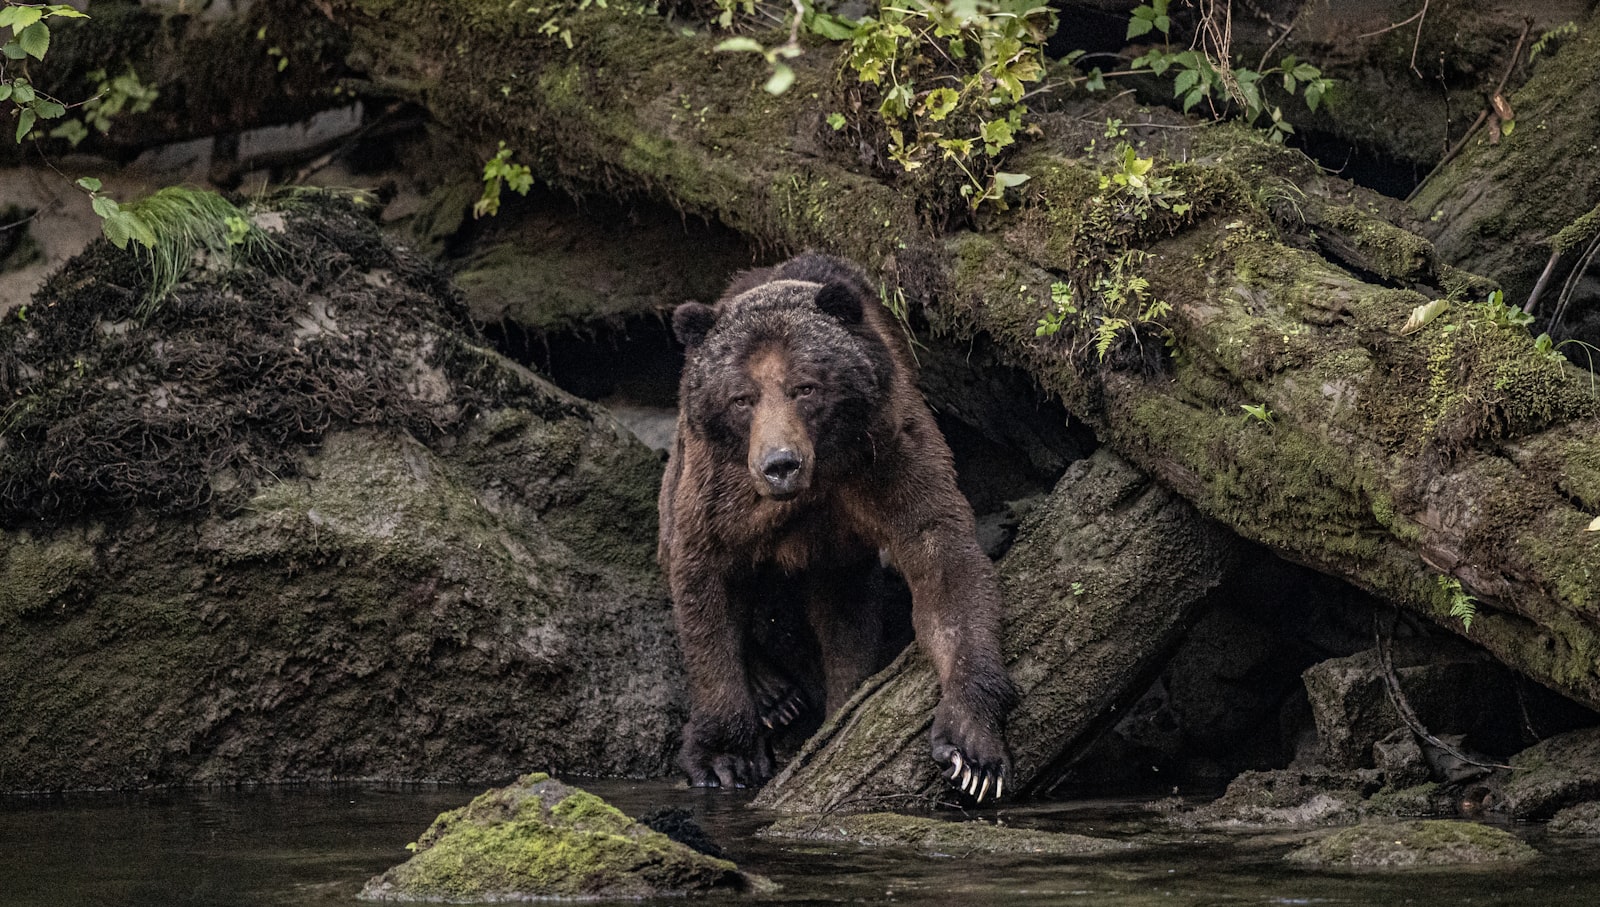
x=541 y=839
x=1434 y=842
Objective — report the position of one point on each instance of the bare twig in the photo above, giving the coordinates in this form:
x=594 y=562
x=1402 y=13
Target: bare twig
x=1391 y=684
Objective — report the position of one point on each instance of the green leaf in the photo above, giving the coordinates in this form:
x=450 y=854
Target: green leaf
x=35 y=40
x=48 y=110
x=65 y=11
x=940 y=103
x=1185 y=81
x=1011 y=180
x=20 y=17
x=1139 y=25
x=5 y=91
x=105 y=207
x=89 y=183
x=741 y=44
x=782 y=78
x=25 y=122
x=12 y=50
x=22 y=92
x=1507 y=127
x=833 y=28
x=836 y=121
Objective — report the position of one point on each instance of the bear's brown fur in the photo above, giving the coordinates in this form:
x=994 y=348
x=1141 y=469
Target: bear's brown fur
x=804 y=448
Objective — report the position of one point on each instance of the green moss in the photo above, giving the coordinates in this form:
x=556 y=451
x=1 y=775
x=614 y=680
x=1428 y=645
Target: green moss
x=1438 y=842
x=36 y=574
x=539 y=838
x=1392 y=253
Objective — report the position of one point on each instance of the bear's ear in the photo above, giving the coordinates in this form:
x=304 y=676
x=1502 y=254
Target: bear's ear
x=692 y=321
x=840 y=301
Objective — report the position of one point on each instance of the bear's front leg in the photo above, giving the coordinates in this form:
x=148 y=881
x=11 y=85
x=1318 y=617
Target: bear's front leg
x=956 y=612
x=722 y=743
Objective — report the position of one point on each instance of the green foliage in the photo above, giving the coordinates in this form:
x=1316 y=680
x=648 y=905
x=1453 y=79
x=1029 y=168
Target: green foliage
x=113 y=96
x=1258 y=412
x=1462 y=606
x=951 y=76
x=176 y=229
x=945 y=78
x=29 y=37
x=1554 y=36
x=1205 y=72
x=498 y=172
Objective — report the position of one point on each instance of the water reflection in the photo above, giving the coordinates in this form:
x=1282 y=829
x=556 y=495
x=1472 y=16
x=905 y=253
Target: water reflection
x=314 y=846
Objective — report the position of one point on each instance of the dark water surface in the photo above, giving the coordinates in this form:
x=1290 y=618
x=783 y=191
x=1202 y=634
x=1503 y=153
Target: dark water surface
x=316 y=846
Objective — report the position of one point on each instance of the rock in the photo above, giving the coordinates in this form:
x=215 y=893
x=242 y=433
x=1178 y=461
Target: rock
x=541 y=839
x=1582 y=820
x=1561 y=771
x=361 y=546
x=937 y=836
x=1433 y=842
x=1286 y=798
x=1453 y=690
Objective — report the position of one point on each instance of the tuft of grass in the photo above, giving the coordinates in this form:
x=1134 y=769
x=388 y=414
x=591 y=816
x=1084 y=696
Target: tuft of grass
x=188 y=226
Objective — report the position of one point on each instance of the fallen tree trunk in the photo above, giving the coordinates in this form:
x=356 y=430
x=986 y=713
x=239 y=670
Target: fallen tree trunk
x=1112 y=568
x=1455 y=461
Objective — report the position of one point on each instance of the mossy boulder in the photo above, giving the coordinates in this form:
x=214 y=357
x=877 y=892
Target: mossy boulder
x=540 y=839
x=1432 y=842
x=297 y=522
x=1554 y=773
x=1578 y=821
x=937 y=836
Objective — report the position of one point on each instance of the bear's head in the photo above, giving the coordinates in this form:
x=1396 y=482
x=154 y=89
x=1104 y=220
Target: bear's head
x=786 y=376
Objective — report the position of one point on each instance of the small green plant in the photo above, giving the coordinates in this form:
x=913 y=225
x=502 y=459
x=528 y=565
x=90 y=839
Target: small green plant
x=1258 y=412
x=183 y=226
x=499 y=172
x=1205 y=71
x=1462 y=606
x=1554 y=36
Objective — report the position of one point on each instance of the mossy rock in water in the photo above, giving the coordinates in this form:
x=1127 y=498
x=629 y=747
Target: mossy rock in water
x=936 y=835
x=541 y=839
x=1554 y=773
x=1581 y=821
x=1436 y=842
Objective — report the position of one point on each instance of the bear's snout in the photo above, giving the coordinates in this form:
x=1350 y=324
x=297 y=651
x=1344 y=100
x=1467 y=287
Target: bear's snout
x=782 y=471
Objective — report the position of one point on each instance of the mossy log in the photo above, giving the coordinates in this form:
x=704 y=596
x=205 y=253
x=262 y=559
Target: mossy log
x=1458 y=460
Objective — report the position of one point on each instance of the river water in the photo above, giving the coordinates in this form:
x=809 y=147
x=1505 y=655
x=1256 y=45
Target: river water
x=316 y=846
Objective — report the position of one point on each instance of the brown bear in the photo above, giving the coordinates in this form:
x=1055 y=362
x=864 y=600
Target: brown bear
x=805 y=450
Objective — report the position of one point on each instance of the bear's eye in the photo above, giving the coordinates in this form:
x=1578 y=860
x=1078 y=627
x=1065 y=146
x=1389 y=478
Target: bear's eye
x=744 y=401
x=804 y=390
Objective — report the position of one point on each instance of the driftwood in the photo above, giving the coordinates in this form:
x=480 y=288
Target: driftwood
x=1455 y=461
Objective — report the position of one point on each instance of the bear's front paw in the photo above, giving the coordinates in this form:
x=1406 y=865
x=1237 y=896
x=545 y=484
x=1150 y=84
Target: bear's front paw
x=973 y=755
x=779 y=700
x=712 y=760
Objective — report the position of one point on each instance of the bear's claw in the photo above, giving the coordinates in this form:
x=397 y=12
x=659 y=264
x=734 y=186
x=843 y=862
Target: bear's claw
x=976 y=783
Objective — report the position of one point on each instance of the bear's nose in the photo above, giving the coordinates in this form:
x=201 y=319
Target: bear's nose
x=780 y=467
